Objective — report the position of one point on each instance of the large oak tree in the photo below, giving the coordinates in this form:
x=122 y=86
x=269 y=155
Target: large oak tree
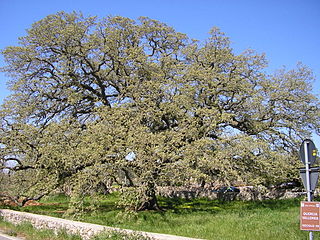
x=96 y=101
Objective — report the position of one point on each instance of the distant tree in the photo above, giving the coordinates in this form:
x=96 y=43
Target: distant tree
x=137 y=103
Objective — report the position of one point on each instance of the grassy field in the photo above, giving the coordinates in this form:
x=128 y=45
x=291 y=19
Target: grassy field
x=200 y=218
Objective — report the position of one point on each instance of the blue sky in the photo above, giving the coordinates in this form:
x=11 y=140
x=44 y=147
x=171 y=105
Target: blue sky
x=287 y=31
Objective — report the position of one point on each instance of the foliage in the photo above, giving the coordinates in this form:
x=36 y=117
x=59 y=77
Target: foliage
x=102 y=102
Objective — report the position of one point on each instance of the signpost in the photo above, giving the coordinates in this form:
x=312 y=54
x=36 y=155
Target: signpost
x=309 y=211
x=310 y=216
x=308 y=151
x=313 y=177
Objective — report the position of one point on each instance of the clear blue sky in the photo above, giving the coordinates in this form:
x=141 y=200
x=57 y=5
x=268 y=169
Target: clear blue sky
x=288 y=31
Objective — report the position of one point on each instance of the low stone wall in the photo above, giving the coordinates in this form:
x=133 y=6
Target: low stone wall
x=85 y=230
x=247 y=193
x=186 y=192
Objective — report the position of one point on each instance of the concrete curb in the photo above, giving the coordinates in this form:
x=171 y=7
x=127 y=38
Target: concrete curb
x=85 y=230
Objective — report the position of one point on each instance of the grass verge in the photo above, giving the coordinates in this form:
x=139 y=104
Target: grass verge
x=199 y=218
x=28 y=232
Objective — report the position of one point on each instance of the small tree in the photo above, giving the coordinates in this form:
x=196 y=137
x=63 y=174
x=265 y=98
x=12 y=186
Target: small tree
x=93 y=99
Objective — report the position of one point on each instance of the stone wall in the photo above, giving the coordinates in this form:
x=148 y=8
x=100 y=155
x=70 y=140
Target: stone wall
x=85 y=230
x=186 y=192
x=247 y=193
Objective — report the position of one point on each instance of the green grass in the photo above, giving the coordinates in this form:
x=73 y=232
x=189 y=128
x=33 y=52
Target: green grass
x=120 y=236
x=200 y=218
x=27 y=231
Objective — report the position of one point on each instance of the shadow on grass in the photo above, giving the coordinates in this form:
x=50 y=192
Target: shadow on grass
x=215 y=206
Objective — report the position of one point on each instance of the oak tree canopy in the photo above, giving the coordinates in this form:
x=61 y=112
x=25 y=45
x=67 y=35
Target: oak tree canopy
x=97 y=102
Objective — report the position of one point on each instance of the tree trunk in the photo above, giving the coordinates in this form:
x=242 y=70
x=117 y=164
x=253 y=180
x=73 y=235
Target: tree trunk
x=128 y=181
x=102 y=188
x=149 y=198
x=202 y=182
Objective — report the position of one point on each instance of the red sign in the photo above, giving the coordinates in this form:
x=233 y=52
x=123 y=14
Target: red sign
x=310 y=216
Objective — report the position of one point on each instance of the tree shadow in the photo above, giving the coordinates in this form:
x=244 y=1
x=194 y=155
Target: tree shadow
x=180 y=205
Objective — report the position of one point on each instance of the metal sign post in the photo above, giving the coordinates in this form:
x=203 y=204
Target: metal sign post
x=308 y=155
x=309 y=197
